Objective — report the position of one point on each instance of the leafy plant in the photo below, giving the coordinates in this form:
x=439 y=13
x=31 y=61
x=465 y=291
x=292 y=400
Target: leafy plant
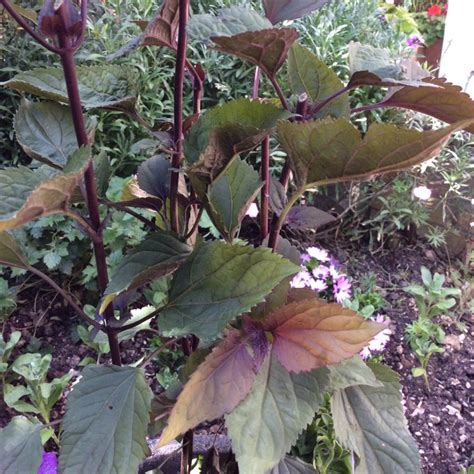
x=273 y=352
x=37 y=396
x=432 y=299
x=424 y=336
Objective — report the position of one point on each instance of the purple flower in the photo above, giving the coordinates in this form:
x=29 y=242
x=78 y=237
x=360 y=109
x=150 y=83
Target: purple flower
x=301 y=280
x=414 y=41
x=342 y=289
x=378 y=343
x=318 y=285
x=305 y=258
x=319 y=254
x=321 y=272
x=49 y=465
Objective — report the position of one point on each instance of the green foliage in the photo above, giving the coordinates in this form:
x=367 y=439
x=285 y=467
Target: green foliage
x=430 y=27
x=432 y=299
x=112 y=400
x=263 y=347
x=20 y=446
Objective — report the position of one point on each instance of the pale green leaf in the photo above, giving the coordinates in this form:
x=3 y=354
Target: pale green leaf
x=281 y=10
x=370 y=421
x=78 y=159
x=231 y=194
x=308 y=74
x=229 y=21
x=20 y=447
x=106 y=422
x=267 y=423
x=217 y=283
x=350 y=372
x=363 y=57
x=291 y=465
x=109 y=86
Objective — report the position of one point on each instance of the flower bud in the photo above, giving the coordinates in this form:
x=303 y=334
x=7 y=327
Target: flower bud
x=58 y=18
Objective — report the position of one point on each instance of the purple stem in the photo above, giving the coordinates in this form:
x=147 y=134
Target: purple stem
x=178 y=113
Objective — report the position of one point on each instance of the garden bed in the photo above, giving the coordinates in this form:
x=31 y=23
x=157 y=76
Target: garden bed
x=440 y=419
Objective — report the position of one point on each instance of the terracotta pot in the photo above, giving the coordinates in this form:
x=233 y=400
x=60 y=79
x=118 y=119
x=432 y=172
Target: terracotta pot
x=431 y=54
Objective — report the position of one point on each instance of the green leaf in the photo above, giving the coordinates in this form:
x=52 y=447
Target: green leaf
x=158 y=255
x=228 y=22
x=267 y=49
x=106 y=422
x=281 y=10
x=78 y=159
x=46 y=132
x=291 y=465
x=12 y=396
x=239 y=121
x=20 y=447
x=363 y=57
x=26 y=195
x=308 y=74
x=109 y=86
x=418 y=372
x=446 y=102
x=10 y=252
x=217 y=283
x=312 y=333
x=350 y=372
x=6 y=347
x=215 y=388
x=329 y=151
x=231 y=194
x=370 y=421
x=267 y=423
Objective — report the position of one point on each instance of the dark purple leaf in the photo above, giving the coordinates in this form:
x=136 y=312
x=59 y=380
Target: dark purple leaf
x=280 y=10
x=307 y=217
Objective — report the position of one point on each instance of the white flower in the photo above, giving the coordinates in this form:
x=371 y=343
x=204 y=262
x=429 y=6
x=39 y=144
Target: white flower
x=320 y=255
x=252 y=210
x=422 y=193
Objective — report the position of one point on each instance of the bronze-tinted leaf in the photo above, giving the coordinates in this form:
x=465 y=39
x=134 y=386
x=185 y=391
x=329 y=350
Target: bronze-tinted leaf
x=26 y=195
x=366 y=78
x=10 y=252
x=162 y=30
x=266 y=49
x=222 y=381
x=307 y=218
x=446 y=102
x=312 y=333
x=329 y=151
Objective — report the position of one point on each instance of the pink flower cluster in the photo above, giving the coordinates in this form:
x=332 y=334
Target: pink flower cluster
x=378 y=343
x=321 y=273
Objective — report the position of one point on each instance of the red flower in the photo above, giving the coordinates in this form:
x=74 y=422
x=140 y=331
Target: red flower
x=434 y=10
x=445 y=9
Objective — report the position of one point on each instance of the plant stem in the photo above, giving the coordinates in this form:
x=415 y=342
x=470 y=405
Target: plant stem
x=279 y=92
x=66 y=296
x=178 y=113
x=70 y=76
x=187 y=452
x=273 y=240
x=265 y=192
x=318 y=106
